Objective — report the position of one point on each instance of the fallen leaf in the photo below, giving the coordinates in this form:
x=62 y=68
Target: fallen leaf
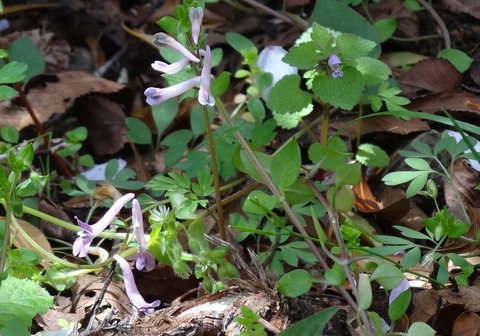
x=471 y=7
x=432 y=75
x=467 y=324
x=407 y=21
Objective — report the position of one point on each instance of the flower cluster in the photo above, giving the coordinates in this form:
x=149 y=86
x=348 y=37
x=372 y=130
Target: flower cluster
x=158 y=95
x=144 y=259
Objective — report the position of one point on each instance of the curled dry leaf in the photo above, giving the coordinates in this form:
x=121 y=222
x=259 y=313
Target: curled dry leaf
x=467 y=324
x=450 y=101
x=429 y=76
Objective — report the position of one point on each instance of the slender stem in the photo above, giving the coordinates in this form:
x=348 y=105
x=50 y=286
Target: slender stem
x=6 y=237
x=216 y=177
x=441 y=24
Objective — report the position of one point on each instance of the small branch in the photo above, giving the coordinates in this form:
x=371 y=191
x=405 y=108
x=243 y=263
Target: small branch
x=441 y=24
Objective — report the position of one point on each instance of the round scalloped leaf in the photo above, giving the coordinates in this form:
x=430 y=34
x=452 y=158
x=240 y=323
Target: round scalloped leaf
x=373 y=70
x=286 y=96
x=343 y=92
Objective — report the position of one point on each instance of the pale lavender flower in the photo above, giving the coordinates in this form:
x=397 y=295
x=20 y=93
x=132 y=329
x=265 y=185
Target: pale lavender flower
x=131 y=288
x=144 y=257
x=163 y=40
x=196 y=17
x=172 y=68
x=85 y=237
x=403 y=286
x=204 y=95
x=156 y=95
x=334 y=63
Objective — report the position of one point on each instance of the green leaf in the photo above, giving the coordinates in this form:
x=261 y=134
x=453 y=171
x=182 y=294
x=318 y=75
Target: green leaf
x=256 y=108
x=348 y=174
x=221 y=84
x=353 y=46
x=338 y=16
x=373 y=70
x=264 y=132
x=295 y=283
x=286 y=96
x=9 y=134
x=291 y=119
x=138 y=131
x=286 y=165
x=333 y=154
x=458 y=58
x=400 y=305
x=343 y=92
x=400 y=177
x=259 y=203
x=416 y=185
x=169 y=25
x=163 y=114
x=385 y=28
x=23 y=299
x=372 y=156
x=312 y=325
x=407 y=232
x=421 y=328
x=12 y=72
x=243 y=163
x=239 y=42
x=302 y=56
x=24 y=50
x=364 y=292
x=388 y=276
x=78 y=134
x=418 y=164
x=7 y=92
x=341 y=198
x=412 y=257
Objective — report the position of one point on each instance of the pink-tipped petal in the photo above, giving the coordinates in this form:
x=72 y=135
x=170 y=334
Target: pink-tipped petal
x=172 y=68
x=144 y=259
x=156 y=96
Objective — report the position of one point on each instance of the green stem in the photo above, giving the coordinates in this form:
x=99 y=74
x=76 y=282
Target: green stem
x=216 y=177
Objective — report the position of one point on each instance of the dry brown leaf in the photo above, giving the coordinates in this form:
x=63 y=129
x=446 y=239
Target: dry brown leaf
x=379 y=124
x=432 y=75
x=105 y=122
x=34 y=233
x=469 y=297
x=50 y=94
x=471 y=7
x=450 y=101
x=424 y=305
x=467 y=324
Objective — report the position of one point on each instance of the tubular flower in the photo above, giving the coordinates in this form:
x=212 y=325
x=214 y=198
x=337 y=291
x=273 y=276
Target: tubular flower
x=85 y=237
x=334 y=63
x=132 y=291
x=170 y=68
x=163 y=40
x=196 y=17
x=156 y=96
x=204 y=95
x=144 y=258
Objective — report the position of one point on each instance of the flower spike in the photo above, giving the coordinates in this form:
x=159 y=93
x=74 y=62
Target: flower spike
x=156 y=96
x=144 y=259
x=204 y=95
x=163 y=40
x=196 y=17
x=85 y=237
x=132 y=291
x=334 y=63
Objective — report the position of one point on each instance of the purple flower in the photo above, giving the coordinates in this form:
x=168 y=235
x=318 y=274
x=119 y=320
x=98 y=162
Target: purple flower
x=144 y=258
x=163 y=40
x=403 y=286
x=170 y=68
x=204 y=95
x=196 y=17
x=334 y=63
x=156 y=96
x=85 y=237
x=132 y=291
